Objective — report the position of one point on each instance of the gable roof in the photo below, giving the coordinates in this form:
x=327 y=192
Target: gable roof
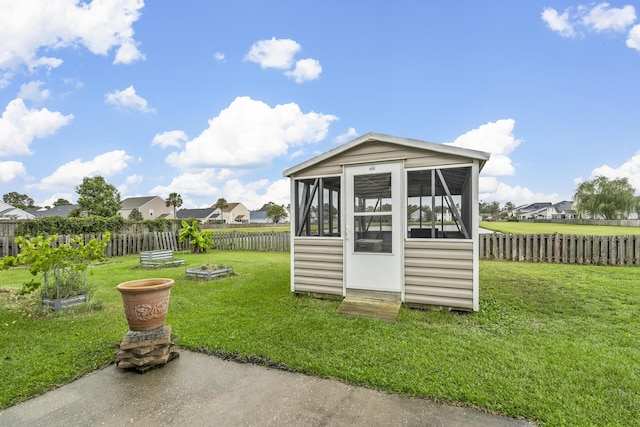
x=406 y=142
x=9 y=212
x=197 y=213
x=62 y=210
x=136 y=202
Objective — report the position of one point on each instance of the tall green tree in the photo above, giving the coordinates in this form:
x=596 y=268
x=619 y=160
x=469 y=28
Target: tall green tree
x=17 y=200
x=221 y=204
x=61 y=202
x=174 y=200
x=135 y=215
x=611 y=199
x=276 y=213
x=97 y=197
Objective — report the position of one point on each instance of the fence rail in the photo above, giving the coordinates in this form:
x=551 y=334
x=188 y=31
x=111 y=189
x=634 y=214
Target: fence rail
x=550 y=248
x=561 y=248
x=129 y=244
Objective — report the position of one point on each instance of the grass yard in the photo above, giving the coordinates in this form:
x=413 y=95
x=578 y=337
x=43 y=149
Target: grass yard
x=554 y=343
x=550 y=228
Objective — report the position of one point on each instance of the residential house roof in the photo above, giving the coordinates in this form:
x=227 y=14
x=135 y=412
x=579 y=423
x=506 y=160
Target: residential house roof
x=8 y=212
x=62 y=210
x=197 y=213
x=136 y=202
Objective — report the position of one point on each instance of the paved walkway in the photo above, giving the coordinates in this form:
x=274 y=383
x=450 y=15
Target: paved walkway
x=201 y=390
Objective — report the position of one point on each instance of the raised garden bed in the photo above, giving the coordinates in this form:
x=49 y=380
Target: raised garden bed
x=208 y=272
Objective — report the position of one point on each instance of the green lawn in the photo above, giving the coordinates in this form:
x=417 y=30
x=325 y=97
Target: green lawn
x=554 y=343
x=550 y=228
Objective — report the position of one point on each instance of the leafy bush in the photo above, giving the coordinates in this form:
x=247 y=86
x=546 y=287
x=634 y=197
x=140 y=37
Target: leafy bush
x=200 y=241
x=62 y=267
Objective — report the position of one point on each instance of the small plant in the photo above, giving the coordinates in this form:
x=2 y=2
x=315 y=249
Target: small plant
x=200 y=241
x=63 y=268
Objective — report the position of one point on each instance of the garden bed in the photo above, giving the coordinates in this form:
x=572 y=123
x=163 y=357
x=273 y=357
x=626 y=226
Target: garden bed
x=209 y=272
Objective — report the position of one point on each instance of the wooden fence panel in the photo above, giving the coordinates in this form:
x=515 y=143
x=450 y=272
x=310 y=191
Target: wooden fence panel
x=561 y=248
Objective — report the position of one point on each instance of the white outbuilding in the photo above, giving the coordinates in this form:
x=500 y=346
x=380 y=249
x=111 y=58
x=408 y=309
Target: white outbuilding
x=354 y=230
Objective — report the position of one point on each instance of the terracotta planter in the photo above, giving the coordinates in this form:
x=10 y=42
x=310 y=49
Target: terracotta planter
x=146 y=302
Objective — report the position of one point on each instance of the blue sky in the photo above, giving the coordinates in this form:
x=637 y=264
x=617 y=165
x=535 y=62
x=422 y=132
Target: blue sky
x=215 y=99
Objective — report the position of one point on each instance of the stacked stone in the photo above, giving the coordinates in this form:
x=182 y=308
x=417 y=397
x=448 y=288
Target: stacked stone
x=145 y=350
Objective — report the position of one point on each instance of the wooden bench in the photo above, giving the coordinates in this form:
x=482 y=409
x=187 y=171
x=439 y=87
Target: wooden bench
x=159 y=259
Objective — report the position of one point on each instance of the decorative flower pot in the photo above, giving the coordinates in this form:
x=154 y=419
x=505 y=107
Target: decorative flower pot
x=146 y=302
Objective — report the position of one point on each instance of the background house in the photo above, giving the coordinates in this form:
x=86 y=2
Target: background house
x=62 y=210
x=235 y=213
x=9 y=213
x=204 y=215
x=561 y=210
x=151 y=207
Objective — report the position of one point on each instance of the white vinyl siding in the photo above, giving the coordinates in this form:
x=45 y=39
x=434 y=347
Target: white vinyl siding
x=439 y=273
x=318 y=265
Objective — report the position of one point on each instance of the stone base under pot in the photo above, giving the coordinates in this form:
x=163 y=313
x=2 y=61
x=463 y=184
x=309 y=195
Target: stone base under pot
x=144 y=350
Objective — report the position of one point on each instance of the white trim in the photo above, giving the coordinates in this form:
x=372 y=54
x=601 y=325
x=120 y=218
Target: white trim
x=457 y=165
x=414 y=143
x=292 y=234
x=475 y=212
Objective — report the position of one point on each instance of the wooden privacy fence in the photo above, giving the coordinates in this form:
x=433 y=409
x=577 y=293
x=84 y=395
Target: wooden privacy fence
x=242 y=241
x=561 y=248
x=129 y=244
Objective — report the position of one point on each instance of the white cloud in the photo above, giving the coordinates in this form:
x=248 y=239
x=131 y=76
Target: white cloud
x=134 y=179
x=219 y=56
x=306 y=69
x=19 y=126
x=127 y=53
x=501 y=192
x=255 y=194
x=633 y=40
x=172 y=138
x=346 y=136
x=629 y=169
x=31 y=91
x=594 y=18
x=249 y=133
x=204 y=184
x=558 y=22
x=495 y=138
x=274 y=53
x=72 y=173
x=28 y=27
x=128 y=100
x=602 y=18
x=11 y=170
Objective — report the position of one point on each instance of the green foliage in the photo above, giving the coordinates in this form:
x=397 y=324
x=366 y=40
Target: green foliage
x=97 y=197
x=61 y=202
x=276 y=213
x=135 y=215
x=200 y=241
x=552 y=343
x=60 y=265
x=47 y=226
x=17 y=200
x=221 y=204
x=174 y=200
x=611 y=199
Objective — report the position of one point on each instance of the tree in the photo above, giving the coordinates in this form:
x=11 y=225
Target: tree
x=221 y=204
x=17 y=200
x=135 y=215
x=509 y=206
x=97 y=197
x=276 y=213
x=61 y=202
x=610 y=199
x=174 y=200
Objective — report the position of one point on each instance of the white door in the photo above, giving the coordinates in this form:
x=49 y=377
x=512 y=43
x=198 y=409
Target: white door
x=373 y=227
